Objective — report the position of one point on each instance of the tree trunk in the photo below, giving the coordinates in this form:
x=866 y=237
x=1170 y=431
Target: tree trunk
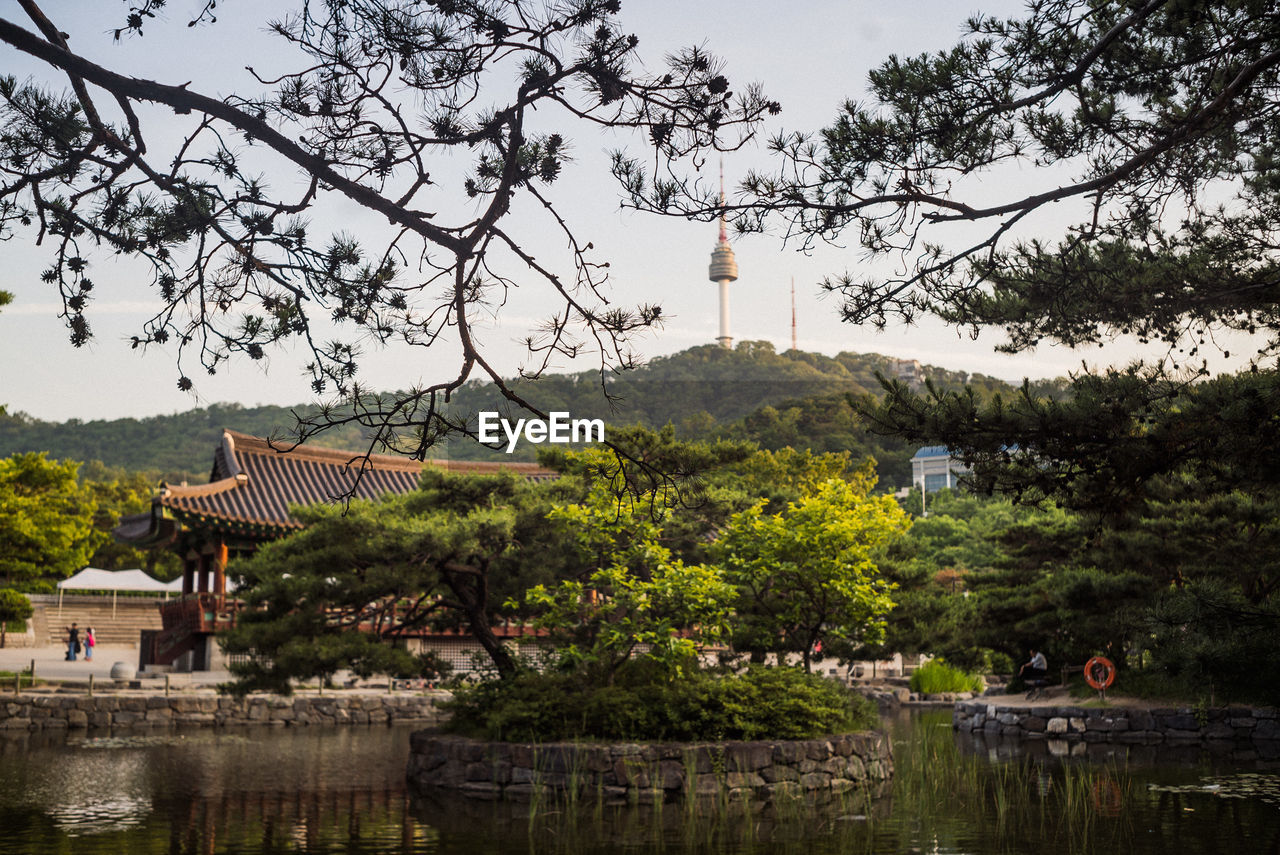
x=474 y=599
x=483 y=633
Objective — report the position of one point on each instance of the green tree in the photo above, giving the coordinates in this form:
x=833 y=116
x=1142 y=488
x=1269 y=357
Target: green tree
x=687 y=486
x=351 y=588
x=118 y=493
x=13 y=606
x=46 y=521
x=1154 y=126
x=809 y=572
x=1051 y=590
x=644 y=601
x=934 y=568
x=1208 y=641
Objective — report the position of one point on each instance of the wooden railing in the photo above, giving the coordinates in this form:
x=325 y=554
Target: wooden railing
x=202 y=613
x=186 y=618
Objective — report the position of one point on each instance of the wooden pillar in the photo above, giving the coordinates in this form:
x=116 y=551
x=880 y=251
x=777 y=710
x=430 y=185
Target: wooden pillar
x=203 y=587
x=189 y=573
x=220 y=570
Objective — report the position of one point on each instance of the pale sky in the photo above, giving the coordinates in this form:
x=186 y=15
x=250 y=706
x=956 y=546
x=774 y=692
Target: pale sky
x=810 y=56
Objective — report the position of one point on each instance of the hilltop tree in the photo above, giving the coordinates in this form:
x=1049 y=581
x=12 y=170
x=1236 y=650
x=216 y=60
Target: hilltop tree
x=441 y=118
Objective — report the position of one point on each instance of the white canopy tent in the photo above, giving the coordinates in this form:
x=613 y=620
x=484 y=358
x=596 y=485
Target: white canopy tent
x=93 y=579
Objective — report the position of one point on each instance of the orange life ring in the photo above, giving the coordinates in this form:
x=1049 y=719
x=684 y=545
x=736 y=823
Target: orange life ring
x=1099 y=672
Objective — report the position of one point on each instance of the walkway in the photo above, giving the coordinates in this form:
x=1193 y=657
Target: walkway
x=52 y=665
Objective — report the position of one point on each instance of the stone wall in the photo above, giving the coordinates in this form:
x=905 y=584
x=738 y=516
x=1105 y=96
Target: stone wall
x=1102 y=724
x=39 y=711
x=648 y=771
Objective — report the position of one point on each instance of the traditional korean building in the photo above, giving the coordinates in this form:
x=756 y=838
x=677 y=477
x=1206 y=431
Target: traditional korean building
x=246 y=503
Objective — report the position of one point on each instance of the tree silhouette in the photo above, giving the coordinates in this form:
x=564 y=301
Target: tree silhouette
x=1152 y=127
x=387 y=100
x=1158 y=119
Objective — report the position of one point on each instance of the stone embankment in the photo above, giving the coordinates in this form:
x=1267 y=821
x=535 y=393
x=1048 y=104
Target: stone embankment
x=51 y=711
x=649 y=771
x=891 y=696
x=1119 y=724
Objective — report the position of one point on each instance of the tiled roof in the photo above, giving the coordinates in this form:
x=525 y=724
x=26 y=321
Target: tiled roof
x=253 y=484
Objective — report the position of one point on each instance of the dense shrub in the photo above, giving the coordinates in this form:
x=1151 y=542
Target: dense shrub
x=760 y=703
x=937 y=676
x=1000 y=663
x=1206 y=640
x=15 y=608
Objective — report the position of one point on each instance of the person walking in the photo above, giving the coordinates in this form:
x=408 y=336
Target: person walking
x=73 y=642
x=89 y=643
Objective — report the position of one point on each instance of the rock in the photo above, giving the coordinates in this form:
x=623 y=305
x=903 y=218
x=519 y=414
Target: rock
x=779 y=772
x=1219 y=730
x=479 y=790
x=1266 y=728
x=1033 y=724
x=748 y=756
x=815 y=781
x=670 y=775
x=784 y=788
x=1181 y=721
x=735 y=780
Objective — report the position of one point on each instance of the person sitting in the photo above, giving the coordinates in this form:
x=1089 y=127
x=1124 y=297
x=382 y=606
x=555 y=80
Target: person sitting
x=1036 y=669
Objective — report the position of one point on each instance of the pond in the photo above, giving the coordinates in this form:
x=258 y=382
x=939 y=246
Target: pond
x=342 y=790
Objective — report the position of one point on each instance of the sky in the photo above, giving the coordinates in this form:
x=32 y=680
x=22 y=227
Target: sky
x=810 y=56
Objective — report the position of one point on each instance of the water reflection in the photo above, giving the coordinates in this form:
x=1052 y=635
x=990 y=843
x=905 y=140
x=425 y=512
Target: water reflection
x=90 y=792
x=342 y=790
x=1086 y=797
x=314 y=791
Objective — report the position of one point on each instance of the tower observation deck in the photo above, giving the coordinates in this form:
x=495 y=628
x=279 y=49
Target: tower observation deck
x=723 y=270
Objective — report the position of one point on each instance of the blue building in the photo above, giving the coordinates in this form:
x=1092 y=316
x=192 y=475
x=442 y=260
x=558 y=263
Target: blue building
x=933 y=468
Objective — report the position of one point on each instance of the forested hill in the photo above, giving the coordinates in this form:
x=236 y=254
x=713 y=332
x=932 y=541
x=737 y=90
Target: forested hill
x=705 y=391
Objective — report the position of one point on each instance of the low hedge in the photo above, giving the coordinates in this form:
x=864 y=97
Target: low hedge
x=759 y=703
